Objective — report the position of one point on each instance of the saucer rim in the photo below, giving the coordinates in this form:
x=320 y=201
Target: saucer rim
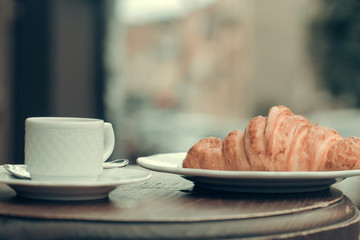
x=10 y=180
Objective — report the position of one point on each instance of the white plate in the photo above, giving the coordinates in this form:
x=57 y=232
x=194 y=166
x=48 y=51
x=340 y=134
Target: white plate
x=246 y=181
x=107 y=181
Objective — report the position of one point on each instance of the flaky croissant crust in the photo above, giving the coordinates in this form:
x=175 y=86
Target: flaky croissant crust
x=281 y=141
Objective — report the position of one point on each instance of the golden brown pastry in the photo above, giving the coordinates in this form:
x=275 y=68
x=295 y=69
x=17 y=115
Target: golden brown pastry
x=234 y=152
x=206 y=154
x=255 y=144
x=281 y=141
x=344 y=155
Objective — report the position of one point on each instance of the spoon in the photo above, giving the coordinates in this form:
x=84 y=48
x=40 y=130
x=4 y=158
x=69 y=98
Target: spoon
x=19 y=170
x=115 y=163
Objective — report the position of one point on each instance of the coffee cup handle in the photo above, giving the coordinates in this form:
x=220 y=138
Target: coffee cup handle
x=109 y=140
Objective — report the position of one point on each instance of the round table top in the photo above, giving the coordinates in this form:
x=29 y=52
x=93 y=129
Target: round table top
x=169 y=206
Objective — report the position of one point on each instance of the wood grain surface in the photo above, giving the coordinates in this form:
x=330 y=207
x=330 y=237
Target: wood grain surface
x=170 y=207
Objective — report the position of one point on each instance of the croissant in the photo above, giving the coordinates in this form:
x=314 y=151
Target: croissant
x=281 y=141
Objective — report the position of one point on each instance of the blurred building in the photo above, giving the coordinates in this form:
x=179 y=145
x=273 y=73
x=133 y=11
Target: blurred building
x=219 y=61
x=231 y=58
x=200 y=62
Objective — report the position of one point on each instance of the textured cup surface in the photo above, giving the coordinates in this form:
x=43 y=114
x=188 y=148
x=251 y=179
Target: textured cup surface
x=66 y=148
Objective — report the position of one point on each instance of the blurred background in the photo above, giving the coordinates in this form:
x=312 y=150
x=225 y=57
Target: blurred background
x=167 y=73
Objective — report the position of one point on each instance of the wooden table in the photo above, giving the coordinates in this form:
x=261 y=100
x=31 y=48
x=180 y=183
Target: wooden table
x=170 y=207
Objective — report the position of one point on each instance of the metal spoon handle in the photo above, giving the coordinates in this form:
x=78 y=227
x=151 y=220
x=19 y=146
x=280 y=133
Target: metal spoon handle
x=17 y=171
x=115 y=163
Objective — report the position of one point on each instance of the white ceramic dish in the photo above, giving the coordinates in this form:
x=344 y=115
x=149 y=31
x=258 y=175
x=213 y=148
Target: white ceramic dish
x=107 y=181
x=246 y=181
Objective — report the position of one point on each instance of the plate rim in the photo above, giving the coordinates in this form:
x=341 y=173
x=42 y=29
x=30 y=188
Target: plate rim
x=146 y=162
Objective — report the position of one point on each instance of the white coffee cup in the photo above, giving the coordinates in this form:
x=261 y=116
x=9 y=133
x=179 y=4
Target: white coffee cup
x=67 y=149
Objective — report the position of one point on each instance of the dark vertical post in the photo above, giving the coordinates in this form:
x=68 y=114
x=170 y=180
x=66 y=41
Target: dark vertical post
x=31 y=67
x=99 y=49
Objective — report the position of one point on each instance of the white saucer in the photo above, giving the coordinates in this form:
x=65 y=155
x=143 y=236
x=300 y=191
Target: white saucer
x=246 y=181
x=107 y=181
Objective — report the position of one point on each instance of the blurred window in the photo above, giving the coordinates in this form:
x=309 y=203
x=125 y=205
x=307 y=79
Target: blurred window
x=182 y=70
